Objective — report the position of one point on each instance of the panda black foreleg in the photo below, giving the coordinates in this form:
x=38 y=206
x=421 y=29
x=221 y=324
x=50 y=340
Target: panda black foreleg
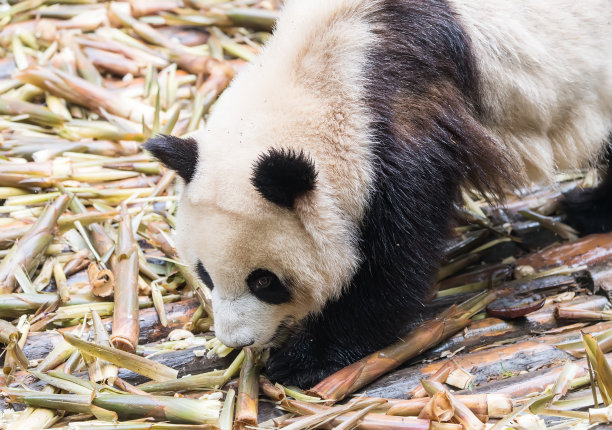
x=590 y=210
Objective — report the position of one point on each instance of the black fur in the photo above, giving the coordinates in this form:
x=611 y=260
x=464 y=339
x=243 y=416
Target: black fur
x=204 y=276
x=423 y=90
x=282 y=175
x=180 y=155
x=590 y=210
x=266 y=286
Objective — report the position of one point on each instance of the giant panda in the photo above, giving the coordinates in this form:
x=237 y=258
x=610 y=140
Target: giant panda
x=319 y=194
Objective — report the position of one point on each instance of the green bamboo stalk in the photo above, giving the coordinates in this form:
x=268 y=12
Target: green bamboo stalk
x=259 y=19
x=35 y=113
x=209 y=380
x=101 y=370
x=140 y=365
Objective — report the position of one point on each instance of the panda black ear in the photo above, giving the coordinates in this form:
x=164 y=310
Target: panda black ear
x=281 y=176
x=178 y=154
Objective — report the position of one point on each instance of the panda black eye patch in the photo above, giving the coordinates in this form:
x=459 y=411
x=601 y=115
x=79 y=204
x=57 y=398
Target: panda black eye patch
x=204 y=276
x=266 y=286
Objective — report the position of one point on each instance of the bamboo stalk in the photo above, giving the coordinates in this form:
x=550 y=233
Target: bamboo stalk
x=571 y=313
x=101 y=370
x=428 y=334
x=140 y=365
x=35 y=113
x=125 y=318
x=125 y=406
x=26 y=252
x=248 y=391
x=491 y=405
x=212 y=379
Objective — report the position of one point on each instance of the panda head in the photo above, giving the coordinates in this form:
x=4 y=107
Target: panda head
x=277 y=183
x=258 y=222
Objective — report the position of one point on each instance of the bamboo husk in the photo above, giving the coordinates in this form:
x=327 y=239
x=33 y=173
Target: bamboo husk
x=78 y=262
x=438 y=408
x=462 y=414
x=61 y=282
x=248 y=391
x=9 y=336
x=161 y=239
x=339 y=414
x=439 y=376
x=125 y=317
x=226 y=418
x=102 y=281
x=563 y=230
x=39 y=344
x=58 y=355
x=35 y=113
x=26 y=252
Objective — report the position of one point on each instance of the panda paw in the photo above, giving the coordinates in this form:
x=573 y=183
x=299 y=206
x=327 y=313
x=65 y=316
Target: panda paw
x=299 y=364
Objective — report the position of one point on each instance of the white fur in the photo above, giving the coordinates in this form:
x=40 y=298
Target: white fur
x=547 y=78
x=546 y=70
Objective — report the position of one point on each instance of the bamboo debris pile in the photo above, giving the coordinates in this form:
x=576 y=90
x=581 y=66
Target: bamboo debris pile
x=93 y=297
x=104 y=327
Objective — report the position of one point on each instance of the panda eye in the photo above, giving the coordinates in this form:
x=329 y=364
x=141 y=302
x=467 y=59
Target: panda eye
x=204 y=276
x=266 y=286
x=263 y=282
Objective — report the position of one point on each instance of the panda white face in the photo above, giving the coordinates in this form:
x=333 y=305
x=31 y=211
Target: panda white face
x=259 y=262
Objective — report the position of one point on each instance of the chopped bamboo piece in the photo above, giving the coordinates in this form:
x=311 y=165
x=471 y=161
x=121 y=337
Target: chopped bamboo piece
x=460 y=378
x=248 y=391
x=125 y=317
